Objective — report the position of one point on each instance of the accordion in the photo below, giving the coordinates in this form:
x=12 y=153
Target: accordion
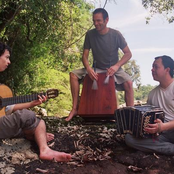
x=133 y=120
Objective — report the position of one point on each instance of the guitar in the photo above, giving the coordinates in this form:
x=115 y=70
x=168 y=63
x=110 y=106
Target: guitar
x=6 y=97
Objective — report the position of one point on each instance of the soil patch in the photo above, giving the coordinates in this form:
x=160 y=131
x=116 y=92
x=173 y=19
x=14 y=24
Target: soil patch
x=95 y=149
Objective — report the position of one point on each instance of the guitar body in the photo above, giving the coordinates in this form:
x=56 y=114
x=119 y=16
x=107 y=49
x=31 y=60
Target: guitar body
x=6 y=97
x=5 y=92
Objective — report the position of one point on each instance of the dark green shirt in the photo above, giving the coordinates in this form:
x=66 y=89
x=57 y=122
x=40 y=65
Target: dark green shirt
x=104 y=47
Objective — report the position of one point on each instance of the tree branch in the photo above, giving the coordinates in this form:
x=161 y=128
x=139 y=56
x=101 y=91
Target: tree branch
x=8 y=13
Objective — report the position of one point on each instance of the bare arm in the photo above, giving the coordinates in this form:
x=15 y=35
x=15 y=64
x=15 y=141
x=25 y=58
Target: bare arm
x=127 y=55
x=30 y=104
x=85 y=61
x=167 y=126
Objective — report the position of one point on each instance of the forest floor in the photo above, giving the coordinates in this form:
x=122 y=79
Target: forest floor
x=95 y=149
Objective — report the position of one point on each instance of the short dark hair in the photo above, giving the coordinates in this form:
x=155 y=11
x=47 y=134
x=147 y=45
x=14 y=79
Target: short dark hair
x=167 y=62
x=103 y=11
x=4 y=47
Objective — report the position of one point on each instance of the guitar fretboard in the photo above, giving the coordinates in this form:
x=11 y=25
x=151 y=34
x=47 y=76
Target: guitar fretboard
x=20 y=99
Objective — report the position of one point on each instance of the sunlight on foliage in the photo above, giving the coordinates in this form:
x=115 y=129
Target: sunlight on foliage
x=47 y=38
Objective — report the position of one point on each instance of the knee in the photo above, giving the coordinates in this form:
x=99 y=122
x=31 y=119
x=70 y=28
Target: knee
x=73 y=76
x=129 y=139
x=42 y=123
x=128 y=85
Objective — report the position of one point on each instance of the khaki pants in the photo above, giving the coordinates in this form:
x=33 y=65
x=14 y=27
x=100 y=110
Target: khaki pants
x=120 y=76
x=12 y=126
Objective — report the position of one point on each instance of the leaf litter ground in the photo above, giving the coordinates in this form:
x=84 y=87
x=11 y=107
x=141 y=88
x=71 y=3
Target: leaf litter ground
x=95 y=149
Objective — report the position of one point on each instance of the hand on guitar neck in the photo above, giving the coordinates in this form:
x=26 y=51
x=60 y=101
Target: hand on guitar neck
x=23 y=102
x=40 y=100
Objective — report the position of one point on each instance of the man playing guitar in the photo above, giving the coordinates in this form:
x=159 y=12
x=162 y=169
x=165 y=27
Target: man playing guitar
x=21 y=122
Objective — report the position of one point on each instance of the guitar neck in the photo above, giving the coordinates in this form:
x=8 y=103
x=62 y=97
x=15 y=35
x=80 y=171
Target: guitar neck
x=20 y=99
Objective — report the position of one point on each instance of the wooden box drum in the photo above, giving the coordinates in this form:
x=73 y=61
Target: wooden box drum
x=100 y=102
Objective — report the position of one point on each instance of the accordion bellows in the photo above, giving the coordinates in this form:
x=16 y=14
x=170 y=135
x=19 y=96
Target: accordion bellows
x=133 y=120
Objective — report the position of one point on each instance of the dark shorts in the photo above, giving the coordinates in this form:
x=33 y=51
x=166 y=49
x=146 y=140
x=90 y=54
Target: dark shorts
x=12 y=126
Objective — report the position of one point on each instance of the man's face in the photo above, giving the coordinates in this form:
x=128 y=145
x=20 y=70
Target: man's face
x=4 y=60
x=99 y=22
x=158 y=70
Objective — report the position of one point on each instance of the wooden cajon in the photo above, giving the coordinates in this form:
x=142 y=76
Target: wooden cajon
x=98 y=103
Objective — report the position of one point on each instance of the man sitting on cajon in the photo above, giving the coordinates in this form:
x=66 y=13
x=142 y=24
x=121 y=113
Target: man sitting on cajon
x=104 y=43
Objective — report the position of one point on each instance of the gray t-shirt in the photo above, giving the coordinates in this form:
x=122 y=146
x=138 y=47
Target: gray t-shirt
x=163 y=98
x=104 y=47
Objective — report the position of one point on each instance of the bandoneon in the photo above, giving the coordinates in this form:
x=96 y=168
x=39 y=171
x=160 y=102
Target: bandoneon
x=133 y=120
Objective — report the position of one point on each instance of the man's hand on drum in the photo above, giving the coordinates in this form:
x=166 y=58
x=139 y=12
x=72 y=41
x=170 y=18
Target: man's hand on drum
x=92 y=74
x=112 y=70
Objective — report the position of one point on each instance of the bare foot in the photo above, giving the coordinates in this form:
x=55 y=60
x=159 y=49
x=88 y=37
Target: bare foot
x=71 y=114
x=49 y=154
x=50 y=137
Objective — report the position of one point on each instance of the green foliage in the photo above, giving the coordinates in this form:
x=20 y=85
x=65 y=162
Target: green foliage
x=59 y=25
x=40 y=77
x=62 y=104
x=47 y=37
x=52 y=29
x=164 y=7
x=48 y=78
x=132 y=69
x=120 y=97
x=142 y=92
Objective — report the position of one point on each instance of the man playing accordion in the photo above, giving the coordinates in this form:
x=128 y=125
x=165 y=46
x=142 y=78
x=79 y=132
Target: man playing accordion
x=163 y=97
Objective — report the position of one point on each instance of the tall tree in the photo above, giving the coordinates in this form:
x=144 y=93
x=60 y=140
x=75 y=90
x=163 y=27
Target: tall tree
x=48 y=31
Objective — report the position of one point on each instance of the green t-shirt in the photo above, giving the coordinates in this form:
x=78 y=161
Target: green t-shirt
x=104 y=47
